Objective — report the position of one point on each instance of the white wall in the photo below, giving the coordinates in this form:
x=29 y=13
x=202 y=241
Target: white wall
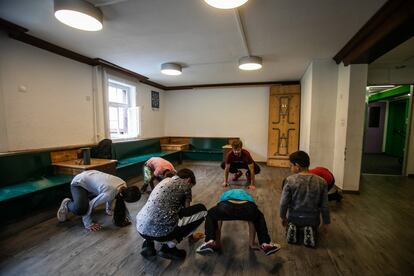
x=62 y=104
x=341 y=124
x=305 y=108
x=54 y=109
x=355 y=126
x=323 y=109
x=390 y=75
x=334 y=98
x=221 y=112
x=319 y=91
x=152 y=119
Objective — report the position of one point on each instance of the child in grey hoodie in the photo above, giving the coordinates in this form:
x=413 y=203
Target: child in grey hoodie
x=304 y=199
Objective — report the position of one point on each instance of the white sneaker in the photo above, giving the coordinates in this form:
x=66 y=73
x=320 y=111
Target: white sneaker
x=308 y=237
x=62 y=213
x=291 y=234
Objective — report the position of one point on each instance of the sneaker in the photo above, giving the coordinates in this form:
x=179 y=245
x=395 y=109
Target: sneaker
x=291 y=236
x=308 y=237
x=270 y=248
x=237 y=175
x=148 y=249
x=171 y=253
x=62 y=213
x=206 y=247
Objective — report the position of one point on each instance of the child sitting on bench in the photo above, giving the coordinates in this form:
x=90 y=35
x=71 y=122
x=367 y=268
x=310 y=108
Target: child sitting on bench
x=305 y=196
x=236 y=204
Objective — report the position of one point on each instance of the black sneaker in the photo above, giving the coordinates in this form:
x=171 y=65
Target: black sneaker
x=171 y=253
x=206 y=247
x=291 y=236
x=148 y=249
x=270 y=248
x=308 y=237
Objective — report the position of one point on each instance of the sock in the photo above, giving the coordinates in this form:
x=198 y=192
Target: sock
x=170 y=244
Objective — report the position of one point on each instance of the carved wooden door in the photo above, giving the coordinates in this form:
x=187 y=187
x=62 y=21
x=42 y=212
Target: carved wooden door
x=284 y=112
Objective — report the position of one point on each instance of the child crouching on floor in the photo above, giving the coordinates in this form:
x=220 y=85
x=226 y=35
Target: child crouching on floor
x=304 y=198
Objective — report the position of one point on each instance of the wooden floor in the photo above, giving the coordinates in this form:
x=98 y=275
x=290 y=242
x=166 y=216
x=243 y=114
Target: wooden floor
x=371 y=234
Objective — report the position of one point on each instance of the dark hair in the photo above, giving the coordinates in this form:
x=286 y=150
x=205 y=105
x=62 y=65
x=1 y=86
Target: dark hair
x=236 y=144
x=129 y=194
x=168 y=173
x=187 y=173
x=300 y=158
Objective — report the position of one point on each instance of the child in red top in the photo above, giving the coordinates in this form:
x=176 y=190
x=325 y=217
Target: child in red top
x=156 y=168
x=333 y=193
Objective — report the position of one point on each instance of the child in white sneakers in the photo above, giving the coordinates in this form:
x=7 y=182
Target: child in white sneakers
x=92 y=188
x=304 y=198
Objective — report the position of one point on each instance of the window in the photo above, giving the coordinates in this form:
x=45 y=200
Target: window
x=123 y=113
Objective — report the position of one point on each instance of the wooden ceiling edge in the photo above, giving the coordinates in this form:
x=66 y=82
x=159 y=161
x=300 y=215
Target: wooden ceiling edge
x=368 y=36
x=265 y=83
x=20 y=33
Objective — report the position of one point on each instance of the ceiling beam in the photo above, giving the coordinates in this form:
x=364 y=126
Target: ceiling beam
x=236 y=84
x=390 y=26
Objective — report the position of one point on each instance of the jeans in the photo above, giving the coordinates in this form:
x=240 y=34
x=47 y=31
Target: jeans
x=231 y=211
x=79 y=204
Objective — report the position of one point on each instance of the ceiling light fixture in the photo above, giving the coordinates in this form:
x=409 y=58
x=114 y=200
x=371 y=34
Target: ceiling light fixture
x=172 y=69
x=225 y=4
x=250 y=63
x=78 y=14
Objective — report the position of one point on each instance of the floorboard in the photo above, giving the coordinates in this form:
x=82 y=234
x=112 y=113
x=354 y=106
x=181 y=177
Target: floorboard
x=370 y=234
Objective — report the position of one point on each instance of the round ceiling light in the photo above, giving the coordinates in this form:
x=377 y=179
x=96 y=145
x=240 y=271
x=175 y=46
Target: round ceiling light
x=78 y=14
x=250 y=63
x=225 y=4
x=172 y=69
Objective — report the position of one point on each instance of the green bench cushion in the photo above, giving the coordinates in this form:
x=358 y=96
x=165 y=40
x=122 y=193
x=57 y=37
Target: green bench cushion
x=22 y=167
x=124 y=150
x=141 y=158
x=23 y=188
x=206 y=144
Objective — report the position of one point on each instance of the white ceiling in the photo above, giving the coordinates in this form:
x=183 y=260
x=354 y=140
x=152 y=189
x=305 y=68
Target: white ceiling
x=140 y=35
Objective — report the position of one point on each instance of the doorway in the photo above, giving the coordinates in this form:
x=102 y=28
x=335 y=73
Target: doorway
x=385 y=132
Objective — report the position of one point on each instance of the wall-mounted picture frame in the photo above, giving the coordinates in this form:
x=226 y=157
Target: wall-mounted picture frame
x=155 y=99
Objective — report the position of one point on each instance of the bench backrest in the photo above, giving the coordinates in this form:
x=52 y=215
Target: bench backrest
x=208 y=143
x=121 y=150
x=22 y=167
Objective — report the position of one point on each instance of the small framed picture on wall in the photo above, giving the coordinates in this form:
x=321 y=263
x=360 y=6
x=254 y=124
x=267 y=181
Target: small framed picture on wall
x=155 y=99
